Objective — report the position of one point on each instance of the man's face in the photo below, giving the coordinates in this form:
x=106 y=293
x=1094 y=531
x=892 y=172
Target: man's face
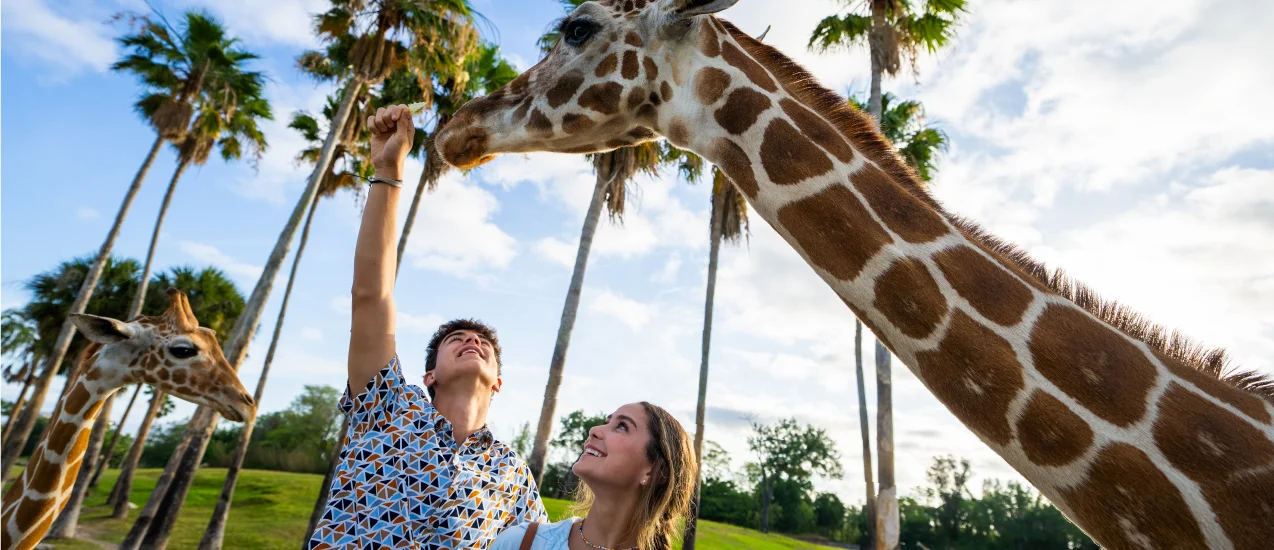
x=465 y=355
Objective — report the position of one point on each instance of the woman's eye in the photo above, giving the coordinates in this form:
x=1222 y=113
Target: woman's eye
x=623 y=427
x=577 y=32
x=183 y=352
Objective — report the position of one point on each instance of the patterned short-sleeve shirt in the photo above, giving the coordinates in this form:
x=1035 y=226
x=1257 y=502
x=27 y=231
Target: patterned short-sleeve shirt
x=403 y=482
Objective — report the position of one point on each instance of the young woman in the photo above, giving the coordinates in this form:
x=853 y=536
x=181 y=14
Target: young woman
x=637 y=474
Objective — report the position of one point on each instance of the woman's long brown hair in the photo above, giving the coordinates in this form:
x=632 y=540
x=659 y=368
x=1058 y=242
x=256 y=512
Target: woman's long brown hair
x=666 y=500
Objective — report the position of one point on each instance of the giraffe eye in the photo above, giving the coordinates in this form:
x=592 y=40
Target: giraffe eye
x=183 y=351
x=578 y=32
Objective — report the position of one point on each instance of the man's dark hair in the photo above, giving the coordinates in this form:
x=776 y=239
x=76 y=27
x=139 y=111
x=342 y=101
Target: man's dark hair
x=431 y=351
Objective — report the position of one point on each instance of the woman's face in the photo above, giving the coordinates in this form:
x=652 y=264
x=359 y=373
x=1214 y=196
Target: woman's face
x=615 y=454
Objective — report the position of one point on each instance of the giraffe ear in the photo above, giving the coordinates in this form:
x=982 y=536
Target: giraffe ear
x=102 y=330
x=691 y=8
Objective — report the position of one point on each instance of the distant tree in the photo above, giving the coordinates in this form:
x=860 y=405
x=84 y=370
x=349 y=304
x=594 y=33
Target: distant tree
x=829 y=515
x=788 y=451
x=522 y=441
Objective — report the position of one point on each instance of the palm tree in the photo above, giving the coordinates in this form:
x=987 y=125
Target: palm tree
x=365 y=41
x=355 y=162
x=729 y=223
x=217 y=303
x=18 y=337
x=483 y=72
x=891 y=28
x=173 y=66
x=229 y=112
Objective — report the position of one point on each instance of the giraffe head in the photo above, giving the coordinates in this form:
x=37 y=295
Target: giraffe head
x=619 y=76
x=171 y=352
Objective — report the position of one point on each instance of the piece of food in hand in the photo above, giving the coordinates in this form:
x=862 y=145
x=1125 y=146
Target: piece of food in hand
x=416 y=108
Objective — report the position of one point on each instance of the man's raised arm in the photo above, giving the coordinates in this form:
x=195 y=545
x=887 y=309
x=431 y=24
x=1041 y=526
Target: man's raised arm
x=371 y=339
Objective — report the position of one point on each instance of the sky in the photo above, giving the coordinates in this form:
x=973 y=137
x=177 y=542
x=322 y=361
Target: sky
x=1128 y=143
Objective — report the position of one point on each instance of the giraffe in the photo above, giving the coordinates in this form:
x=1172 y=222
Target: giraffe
x=1140 y=437
x=171 y=352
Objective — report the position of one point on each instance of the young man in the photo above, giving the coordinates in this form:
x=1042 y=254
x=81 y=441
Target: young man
x=418 y=472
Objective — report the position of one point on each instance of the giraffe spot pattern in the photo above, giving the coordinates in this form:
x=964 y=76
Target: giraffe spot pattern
x=631 y=67
x=709 y=43
x=665 y=91
x=607 y=66
x=635 y=97
x=710 y=84
x=647 y=113
x=565 y=89
x=179 y=376
x=1232 y=461
x=990 y=288
x=750 y=68
x=45 y=478
x=975 y=373
x=818 y=130
x=522 y=109
x=901 y=212
x=834 y=229
x=741 y=110
x=519 y=85
x=1245 y=402
x=633 y=40
x=1052 y=435
x=736 y=164
x=603 y=98
x=1098 y=367
x=574 y=123
x=909 y=297
x=677 y=131
x=75 y=400
x=789 y=157
x=652 y=70
x=1111 y=503
x=539 y=126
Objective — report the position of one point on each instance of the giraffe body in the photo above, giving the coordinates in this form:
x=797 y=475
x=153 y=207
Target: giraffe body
x=170 y=352
x=1136 y=435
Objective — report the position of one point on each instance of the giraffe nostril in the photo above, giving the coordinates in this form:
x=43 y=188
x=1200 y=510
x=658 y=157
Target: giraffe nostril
x=247 y=399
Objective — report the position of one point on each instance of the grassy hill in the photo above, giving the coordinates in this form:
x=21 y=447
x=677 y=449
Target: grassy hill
x=271 y=510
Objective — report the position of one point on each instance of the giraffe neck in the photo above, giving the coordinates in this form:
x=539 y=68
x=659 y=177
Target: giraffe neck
x=35 y=498
x=1133 y=445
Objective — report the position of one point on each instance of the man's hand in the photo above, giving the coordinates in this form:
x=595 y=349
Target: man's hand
x=392 y=134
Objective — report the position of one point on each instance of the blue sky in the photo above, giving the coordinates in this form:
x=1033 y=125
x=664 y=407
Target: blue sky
x=1132 y=149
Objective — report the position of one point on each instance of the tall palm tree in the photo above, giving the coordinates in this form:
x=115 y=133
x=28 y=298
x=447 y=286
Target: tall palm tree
x=484 y=71
x=18 y=337
x=891 y=29
x=217 y=303
x=229 y=113
x=355 y=166
x=172 y=65
x=365 y=41
x=728 y=223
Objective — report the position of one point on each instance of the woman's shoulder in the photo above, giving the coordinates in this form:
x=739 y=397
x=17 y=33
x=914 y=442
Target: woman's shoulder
x=548 y=536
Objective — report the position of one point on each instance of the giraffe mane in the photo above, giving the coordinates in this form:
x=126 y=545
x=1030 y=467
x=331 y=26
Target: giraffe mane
x=861 y=130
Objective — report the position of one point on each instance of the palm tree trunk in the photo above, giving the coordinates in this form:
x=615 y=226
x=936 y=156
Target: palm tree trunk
x=320 y=503
x=865 y=430
x=17 y=403
x=434 y=169
x=179 y=474
x=545 y=427
x=139 y=299
x=124 y=484
x=67 y=522
x=887 y=503
x=133 y=540
x=105 y=459
x=875 y=38
x=714 y=251
x=216 y=531
x=767 y=485
x=22 y=430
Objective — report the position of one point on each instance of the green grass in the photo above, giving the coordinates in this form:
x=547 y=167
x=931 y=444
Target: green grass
x=272 y=509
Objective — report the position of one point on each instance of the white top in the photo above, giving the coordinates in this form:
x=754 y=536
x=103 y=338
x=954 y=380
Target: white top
x=550 y=536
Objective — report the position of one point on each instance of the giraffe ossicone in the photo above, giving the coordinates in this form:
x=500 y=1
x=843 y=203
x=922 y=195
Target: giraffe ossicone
x=1141 y=438
x=171 y=352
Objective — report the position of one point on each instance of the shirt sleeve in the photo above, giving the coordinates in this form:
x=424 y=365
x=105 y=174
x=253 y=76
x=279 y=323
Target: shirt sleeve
x=378 y=403
x=509 y=539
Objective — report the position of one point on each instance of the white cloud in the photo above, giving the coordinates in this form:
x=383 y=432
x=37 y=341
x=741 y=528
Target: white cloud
x=556 y=251
x=65 y=41
x=341 y=304
x=668 y=273
x=287 y=22
x=210 y=254
x=454 y=233
x=630 y=312
x=86 y=213
x=418 y=324
x=312 y=334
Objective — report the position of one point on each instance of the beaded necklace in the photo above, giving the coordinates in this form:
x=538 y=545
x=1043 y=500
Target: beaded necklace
x=581 y=536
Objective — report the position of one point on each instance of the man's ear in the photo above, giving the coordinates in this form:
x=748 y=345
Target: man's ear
x=430 y=379
x=499 y=383
x=102 y=330
x=691 y=8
